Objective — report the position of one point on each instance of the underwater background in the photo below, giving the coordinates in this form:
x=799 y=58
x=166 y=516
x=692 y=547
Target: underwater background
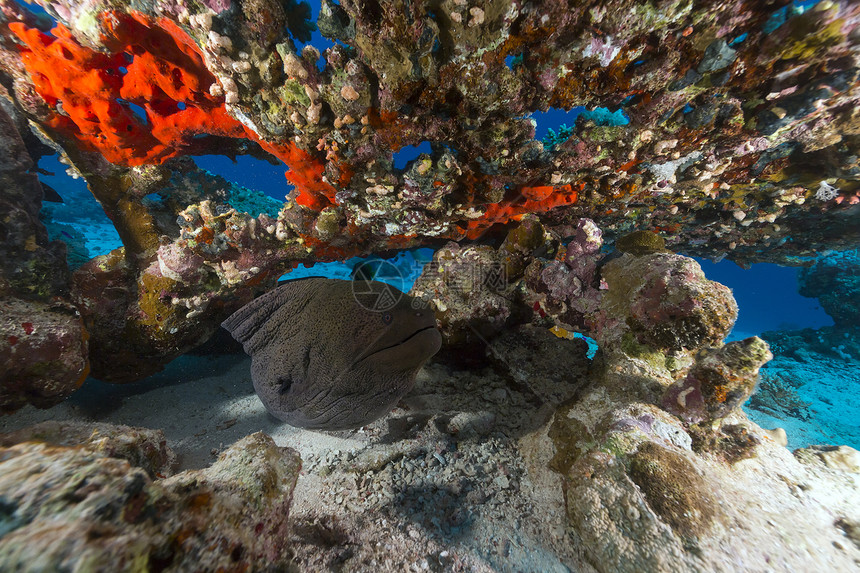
x=535 y=451
x=814 y=398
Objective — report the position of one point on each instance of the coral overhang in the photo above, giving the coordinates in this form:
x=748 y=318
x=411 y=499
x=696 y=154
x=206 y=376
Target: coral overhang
x=151 y=97
x=740 y=135
x=148 y=99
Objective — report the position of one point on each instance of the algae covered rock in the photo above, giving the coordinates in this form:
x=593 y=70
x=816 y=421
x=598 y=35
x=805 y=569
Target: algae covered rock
x=641 y=243
x=720 y=380
x=531 y=355
x=664 y=301
x=83 y=507
x=43 y=353
x=641 y=497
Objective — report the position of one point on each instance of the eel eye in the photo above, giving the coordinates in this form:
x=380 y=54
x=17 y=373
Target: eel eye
x=283 y=385
x=387 y=318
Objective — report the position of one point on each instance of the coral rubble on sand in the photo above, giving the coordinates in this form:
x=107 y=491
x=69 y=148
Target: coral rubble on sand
x=527 y=462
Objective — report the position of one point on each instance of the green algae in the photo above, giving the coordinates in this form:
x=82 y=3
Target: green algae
x=639 y=243
x=674 y=490
x=293 y=93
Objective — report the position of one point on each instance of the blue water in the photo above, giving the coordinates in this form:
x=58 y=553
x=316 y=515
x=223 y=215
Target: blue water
x=249 y=172
x=767 y=297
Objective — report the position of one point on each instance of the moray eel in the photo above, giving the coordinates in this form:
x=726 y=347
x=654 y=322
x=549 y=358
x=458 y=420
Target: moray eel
x=323 y=358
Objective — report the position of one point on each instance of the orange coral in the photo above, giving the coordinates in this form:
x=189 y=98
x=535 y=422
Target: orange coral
x=152 y=67
x=534 y=200
x=306 y=174
x=158 y=67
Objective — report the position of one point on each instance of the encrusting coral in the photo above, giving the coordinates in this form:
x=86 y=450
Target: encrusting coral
x=661 y=469
x=725 y=131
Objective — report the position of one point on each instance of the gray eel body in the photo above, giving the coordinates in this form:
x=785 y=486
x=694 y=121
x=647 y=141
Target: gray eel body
x=321 y=360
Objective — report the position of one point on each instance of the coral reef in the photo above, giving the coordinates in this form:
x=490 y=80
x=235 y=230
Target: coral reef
x=101 y=497
x=465 y=287
x=661 y=302
x=834 y=280
x=659 y=323
x=656 y=307
x=719 y=381
x=482 y=469
x=725 y=131
x=804 y=388
x=777 y=395
x=731 y=132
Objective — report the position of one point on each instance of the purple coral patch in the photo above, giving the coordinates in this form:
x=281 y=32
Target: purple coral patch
x=684 y=399
x=218 y=6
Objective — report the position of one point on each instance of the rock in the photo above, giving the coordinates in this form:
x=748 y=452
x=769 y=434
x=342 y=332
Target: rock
x=140 y=447
x=519 y=246
x=31 y=266
x=638 y=500
x=640 y=243
x=851 y=529
x=567 y=290
x=43 y=346
x=835 y=281
x=778 y=435
x=663 y=302
x=467 y=425
x=611 y=518
x=719 y=382
x=43 y=353
x=532 y=355
x=74 y=507
x=843 y=458
x=466 y=288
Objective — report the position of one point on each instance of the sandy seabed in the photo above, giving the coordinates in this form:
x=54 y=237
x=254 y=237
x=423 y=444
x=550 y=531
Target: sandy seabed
x=455 y=478
x=412 y=490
